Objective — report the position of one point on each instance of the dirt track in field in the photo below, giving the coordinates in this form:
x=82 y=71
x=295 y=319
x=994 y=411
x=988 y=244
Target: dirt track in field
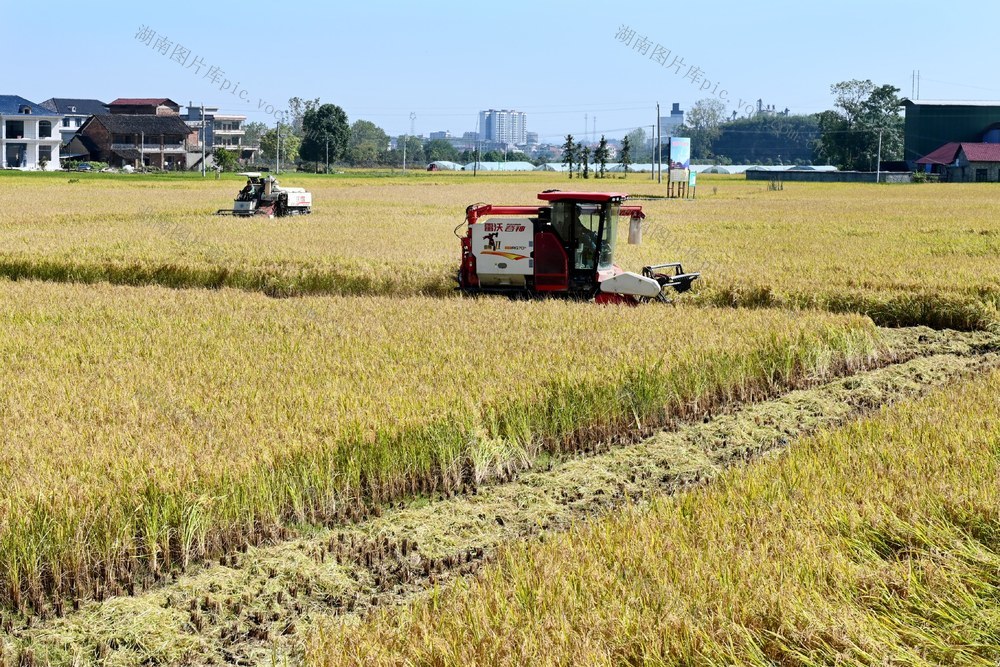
x=254 y=607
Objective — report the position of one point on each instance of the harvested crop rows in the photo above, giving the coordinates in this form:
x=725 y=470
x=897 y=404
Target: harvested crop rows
x=267 y=599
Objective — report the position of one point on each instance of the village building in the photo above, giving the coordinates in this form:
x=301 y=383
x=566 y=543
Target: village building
x=28 y=135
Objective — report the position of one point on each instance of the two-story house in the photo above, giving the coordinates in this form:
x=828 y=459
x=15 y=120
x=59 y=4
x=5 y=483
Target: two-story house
x=221 y=131
x=28 y=139
x=137 y=140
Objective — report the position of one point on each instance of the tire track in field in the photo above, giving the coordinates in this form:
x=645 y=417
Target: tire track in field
x=255 y=607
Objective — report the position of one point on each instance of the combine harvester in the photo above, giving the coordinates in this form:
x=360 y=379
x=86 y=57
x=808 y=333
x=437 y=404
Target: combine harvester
x=566 y=249
x=263 y=196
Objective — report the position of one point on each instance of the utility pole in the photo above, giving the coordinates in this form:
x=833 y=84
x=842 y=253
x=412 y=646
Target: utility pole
x=142 y=150
x=659 y=146
x=652 y=142
x=404 y=153
x=475 y=164
x=878 y=160
x=277 y=153
x=204 y=139
x=327 y=155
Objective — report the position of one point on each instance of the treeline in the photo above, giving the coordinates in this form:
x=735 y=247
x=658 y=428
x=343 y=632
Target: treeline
x=762 y=139
x=313 y=135
x=864 y=126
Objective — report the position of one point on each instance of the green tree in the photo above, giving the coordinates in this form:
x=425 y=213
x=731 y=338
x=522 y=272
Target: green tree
x=326 y=129
x=601 y=156
x=252 y=132
x=297 y=108
x=625 y=155
x=440 y=149
x=751 y=140
x=414 y=152
x=225 y=159
x=585 y=160
x=368 y=144
x=289 y=144
x=703 y=124
x=569 y=153
x=637 y=143
x=849 y=133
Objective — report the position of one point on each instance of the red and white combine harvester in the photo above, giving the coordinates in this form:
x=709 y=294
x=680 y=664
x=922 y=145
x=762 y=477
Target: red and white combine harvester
x=263 y=196
x=563 y=248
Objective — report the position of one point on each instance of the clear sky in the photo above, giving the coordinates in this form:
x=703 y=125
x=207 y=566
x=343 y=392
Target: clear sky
x=444 y=60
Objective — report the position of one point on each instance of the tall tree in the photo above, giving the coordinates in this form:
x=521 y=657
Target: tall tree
x=326 y=129
x=585 y=160
x=414 y=151
x=289 y=144
x=297 y=108
x=225 y=160
x=368 y=144
x=569 y=149
x=625 y=155
x=849 y=133
x=703 y=122
x=252 y=132
x=638 y=144
x=440 y=149
x=601 y=156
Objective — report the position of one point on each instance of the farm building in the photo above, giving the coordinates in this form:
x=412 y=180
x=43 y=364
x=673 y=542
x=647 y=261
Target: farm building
x=137 y=140
x=444 y=165
x=500 y=166
x=930 y=124
x=28 y=138
x=969 y=162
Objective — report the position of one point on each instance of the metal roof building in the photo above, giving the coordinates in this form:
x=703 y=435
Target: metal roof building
x=500 y=166
x=930 y=124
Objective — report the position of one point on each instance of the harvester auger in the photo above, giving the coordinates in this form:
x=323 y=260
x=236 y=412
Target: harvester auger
x=565 y=248
x=263 y=196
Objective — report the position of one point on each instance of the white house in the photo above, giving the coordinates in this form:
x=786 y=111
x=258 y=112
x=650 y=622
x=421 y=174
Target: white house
x=29 y=135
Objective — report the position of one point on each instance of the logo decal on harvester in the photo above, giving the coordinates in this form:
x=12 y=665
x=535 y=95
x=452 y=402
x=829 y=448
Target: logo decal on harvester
x=508 y=255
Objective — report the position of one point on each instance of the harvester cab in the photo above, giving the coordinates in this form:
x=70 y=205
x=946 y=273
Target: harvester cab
x=565 y=248
x=263 y=196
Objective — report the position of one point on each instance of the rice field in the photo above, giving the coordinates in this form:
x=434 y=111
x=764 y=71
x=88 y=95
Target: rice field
x=145 y=428
x=913 y=254
x=159 y=409
x=872 y=544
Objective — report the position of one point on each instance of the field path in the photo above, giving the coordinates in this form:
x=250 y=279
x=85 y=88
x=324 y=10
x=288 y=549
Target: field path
x=256 y=607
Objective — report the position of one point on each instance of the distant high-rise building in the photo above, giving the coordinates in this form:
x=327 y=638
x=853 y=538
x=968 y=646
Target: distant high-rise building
x=668 y=124
x=503 y=126
x=531 y=138
x=435 y=136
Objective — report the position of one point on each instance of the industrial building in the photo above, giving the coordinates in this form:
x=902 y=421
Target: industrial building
x=931 y=124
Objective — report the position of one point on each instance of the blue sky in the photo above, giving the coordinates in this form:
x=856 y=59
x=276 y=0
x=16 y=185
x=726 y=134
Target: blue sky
x=555 y=60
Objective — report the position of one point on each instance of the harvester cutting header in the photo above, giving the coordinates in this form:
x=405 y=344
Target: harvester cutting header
x=565 y=248
x=263 y=196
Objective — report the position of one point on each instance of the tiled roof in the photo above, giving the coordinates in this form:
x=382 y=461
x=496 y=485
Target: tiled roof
x=982 y=152
x=11 y=105
x=142 y=123
x=975 y=152
x=142 y=101
x=943 y=155
x=78 y=106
